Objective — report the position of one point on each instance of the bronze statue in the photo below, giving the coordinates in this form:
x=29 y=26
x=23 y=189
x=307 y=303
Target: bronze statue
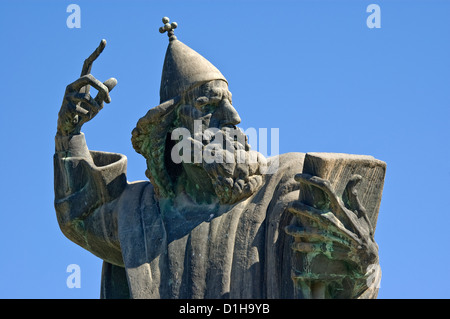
x=203 y=228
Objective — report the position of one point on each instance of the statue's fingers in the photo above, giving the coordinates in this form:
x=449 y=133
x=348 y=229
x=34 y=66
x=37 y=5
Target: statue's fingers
x=352 y=193
x=81 y=110
x=110 y=84
x=355 y=179
x=354 y=203
x=336 y=204
x=344 y=254
x=341 y=215
x=318 y=182
x=83 y=104
x=88 y=79
x=314 y=234
x=312 y=180
x=340 y=228
x=303 y=178
x=310 y=215
x=309 y=247
x=328 y=221
x=302 y=210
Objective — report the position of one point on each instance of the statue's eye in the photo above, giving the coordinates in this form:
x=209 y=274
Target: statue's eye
x=201 y=101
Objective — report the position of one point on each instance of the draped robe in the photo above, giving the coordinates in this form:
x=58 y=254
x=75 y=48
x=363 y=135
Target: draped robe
x=237 y=251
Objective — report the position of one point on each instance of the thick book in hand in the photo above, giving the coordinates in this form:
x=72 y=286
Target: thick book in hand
x=339 y=168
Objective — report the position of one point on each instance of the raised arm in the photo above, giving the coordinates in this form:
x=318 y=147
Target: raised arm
x=87 y=183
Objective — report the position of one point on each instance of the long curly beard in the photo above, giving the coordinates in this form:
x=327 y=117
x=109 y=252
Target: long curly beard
x=235 y=170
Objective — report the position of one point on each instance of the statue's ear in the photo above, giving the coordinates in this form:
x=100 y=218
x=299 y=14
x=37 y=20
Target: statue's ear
x=155 y=120
x=149 y=139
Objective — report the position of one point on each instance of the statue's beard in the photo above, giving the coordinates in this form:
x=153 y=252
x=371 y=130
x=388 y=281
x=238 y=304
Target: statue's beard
x=235 y=170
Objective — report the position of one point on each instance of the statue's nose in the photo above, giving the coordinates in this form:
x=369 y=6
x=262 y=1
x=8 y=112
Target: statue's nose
x=226 y=115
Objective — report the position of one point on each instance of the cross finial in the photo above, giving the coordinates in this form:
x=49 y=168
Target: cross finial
x=169 y=27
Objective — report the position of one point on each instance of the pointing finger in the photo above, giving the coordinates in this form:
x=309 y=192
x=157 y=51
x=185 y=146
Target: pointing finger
x=87 y=65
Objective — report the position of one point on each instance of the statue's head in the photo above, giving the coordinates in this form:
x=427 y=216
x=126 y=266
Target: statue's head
x=196 y=116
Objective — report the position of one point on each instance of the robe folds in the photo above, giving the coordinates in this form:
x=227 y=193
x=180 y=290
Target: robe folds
x=237 y=251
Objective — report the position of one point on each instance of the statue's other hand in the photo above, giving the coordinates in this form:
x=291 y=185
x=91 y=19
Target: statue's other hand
x=339 y=230
x=78 y=107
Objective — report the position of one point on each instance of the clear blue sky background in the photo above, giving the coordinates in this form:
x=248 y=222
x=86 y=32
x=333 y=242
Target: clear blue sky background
x=313 y=69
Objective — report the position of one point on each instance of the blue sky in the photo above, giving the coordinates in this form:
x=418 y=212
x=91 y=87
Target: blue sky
x=313 y=69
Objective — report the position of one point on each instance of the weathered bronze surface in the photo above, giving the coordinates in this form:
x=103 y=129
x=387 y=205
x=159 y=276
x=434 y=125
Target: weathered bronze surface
x=290 y=226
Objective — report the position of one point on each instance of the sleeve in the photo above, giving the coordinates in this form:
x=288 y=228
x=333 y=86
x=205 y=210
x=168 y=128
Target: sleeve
x=87 y=186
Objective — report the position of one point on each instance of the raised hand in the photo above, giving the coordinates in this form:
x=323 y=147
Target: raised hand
x=78 y=106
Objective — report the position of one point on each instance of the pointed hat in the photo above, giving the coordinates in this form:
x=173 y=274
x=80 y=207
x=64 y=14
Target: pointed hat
x=183 y=67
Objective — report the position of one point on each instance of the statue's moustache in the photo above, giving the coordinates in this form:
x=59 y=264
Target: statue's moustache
x=227 y=134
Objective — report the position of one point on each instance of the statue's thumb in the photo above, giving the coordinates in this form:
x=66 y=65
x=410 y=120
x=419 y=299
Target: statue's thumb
x=110 y=83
